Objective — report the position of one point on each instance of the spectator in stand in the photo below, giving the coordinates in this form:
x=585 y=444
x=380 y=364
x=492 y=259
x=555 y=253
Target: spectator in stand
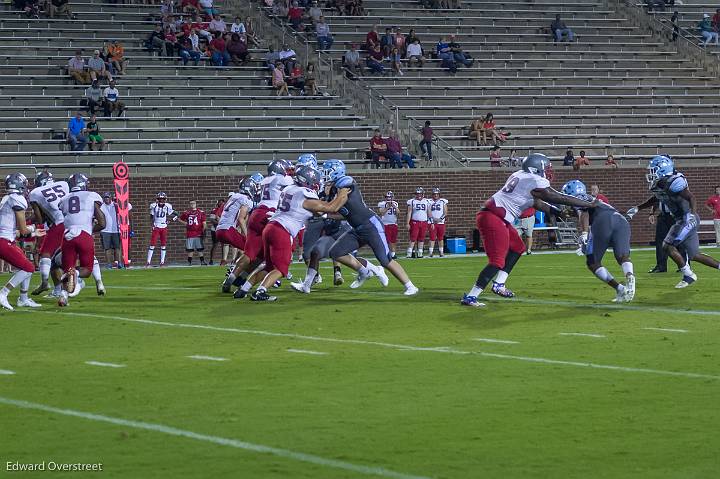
x=713 y=206
x=315 y=12
x=395 y=153
x=514 y=160
x=707 y=31
x=489 y=129
x=96 y=66
x=611 y=162
x=281 y=8
x=217 y=25
x=595 y=191
x=415 y=54
x=396 y=59
x=716 y=20
x=387 y=41
x=372 y=39
x=288 y=57
x=156 y=40
x=495 y=157
x=411 y=37
x=295 y=16
x=278 y=79
x=188 y=49
x=238 y=26
x=374 y=60
x=310 y=80
x=171 y=43
x=400 y=42
x=296 y=79
x=675 y=25
x=93 y=97
x=58 y=7
x=111 y=101
x=475 y=132
x=351 y=62
x=209 y=8
x=30 y=7
x=218 y=50
x=250 y=35
x=167 y=9
x=322 y=30
x=76 y=133
x=201 y=28
x=525 y=226
x=78 y=70
x=458 y=55
x=560 y=30
x=445 y=54
x=426 y=142
x=93 y=134
x=569 y=159
x=237 y=49
x=581 y=161
x=191 y=7
x=116 y=56
x=378 y=148
x=271 y=58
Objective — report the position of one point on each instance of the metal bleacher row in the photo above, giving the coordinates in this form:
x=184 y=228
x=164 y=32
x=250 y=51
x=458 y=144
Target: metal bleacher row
x=618 y=89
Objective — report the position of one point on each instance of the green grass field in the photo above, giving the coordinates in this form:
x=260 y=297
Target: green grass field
x=369 y=383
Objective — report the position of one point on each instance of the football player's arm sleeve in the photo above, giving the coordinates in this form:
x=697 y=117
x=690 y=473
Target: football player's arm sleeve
x=100 y=218
x=338 y=202
x=549 y=195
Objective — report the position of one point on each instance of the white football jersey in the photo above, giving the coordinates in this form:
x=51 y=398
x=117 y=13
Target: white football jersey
x=47 y=198
x=290 y=212
x=160 y=214
x=229 y=216
x=78 y=207
x=391 y=214
x=437 y=210
x=420 y=209
x=270 y=188
x=8 y=206
x=516 y=195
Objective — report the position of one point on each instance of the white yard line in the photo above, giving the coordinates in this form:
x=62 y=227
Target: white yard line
x=222 y=441
x=6 y=372
x=588 y=335
x=498 y=341
x=667 y=330
x=384 y=345
x=307 y=351
x=161 y=288
x=104 y=365
x=207 y=358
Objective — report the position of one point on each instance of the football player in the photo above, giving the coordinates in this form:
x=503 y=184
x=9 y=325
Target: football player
x=603 y=227
x=83 y=217
x=438 y=216
x=12 y=219
x=388 y=211
x=44 y=199
x=194 y=221
x=160 y=211
x=682 y=242
x=417 y=222
x=298 y=202
x=503 y=246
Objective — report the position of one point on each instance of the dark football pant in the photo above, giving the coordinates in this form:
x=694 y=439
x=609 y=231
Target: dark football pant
x=663 y=223
x=370 y=233
x=608 y=230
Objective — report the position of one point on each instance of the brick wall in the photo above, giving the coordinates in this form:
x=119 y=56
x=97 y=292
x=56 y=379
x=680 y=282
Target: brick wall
x=465 y=190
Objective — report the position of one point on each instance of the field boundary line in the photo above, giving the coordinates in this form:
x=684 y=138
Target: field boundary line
x=222 y=441
x=6 y=372
x=104 y=365
x=667 y=330
x=495 y=341
x=306 y=351
x=440 y=350
x=207 y=358
x=586 y=335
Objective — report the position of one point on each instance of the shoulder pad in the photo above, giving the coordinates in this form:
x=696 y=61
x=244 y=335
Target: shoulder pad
x=345 y=182
x=677 y=183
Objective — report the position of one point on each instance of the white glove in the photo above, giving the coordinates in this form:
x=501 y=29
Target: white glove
x=632 y=212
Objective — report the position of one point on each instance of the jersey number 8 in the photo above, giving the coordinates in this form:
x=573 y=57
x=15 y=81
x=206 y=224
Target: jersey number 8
x=74 y=204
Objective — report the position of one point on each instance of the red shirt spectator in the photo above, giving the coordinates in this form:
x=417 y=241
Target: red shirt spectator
x=218 y=44
x=377 y=145
x=200 y=26
x=295 y=13
x=603 y=198
x=713 y=203
x=611 y=162
x=427 y=133
x=195 y=222
x=371 y=39
x=393 y=145
x=495 y=157
x=192 y=3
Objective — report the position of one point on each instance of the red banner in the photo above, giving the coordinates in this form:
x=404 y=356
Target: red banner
x=121 y=172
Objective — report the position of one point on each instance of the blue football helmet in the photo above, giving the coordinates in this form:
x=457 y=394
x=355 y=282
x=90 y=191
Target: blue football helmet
x=659 y=166
x=308 y=177
x=574 y=188
x=536 y=163
x=280 y=167
x=79 y=182
x=257 y=177
x=307 y=159
x=333 y=170
x=16 y=183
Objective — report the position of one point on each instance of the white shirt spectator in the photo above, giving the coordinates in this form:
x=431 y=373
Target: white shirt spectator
x=206 y=3
x=110 y=212
x=111 y=94
x=414 y=50
x=289 y=53
x=218 y=25
x=237 y=28
x=195 y=41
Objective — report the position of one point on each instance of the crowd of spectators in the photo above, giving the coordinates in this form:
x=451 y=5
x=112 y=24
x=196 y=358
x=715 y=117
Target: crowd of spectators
x=388 y=151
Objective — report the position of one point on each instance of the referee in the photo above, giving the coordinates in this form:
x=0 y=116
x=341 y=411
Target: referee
x=663 y=221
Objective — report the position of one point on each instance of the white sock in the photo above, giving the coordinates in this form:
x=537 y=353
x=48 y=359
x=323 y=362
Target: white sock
x=409 y=251
x=442 y=250
x=246 y=286
x=627 y=268
x=162 y=255
x=231 y=277
x=151 y=250
x=430 y=250
x=686 y=270
x=45 y=264
x=25 y=286
x=261 y=289
x=363 y=271
x=96 y=274
x=409 y=285
x=603 y=274
x=420 y=251
x=310 y=277
x=475 y=291
x=501 y=277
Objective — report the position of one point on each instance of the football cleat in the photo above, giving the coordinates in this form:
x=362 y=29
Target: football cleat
x=471 y=301
x=630 y=288
x=52 y=294
x=27 y=303
x=78 y=287
x=41 y=289
x=4 y=302
x=338 y=280
x=318 y=279
x=360 y=280
x=380 y=273
x=501 y=290
x=63 y=299
x=686 y=281
x=300 y=288
x=100 y=288
x=262 y=296
x=411 y=291
x=147 y=265
x=162 y=265
x=277 y=284
x=227 y=284
x=240 y=294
